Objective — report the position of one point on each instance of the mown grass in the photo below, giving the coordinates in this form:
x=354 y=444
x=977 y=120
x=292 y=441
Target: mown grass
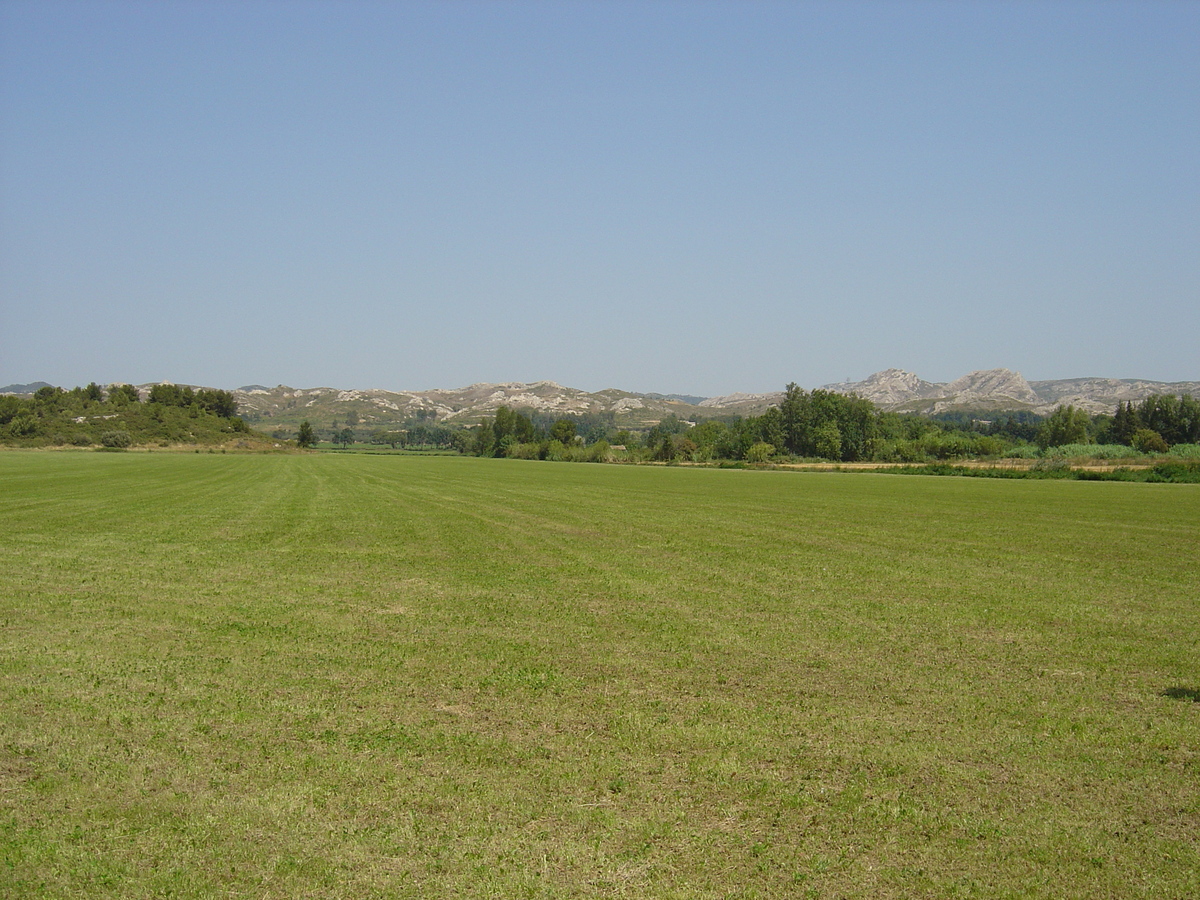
x=369 y=676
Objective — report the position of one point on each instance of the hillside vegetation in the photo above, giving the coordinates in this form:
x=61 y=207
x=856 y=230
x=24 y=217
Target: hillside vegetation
x=321 y=675
x=119 y=417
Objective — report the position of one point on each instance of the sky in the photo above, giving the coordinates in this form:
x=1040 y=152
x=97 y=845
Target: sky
x=694 y=197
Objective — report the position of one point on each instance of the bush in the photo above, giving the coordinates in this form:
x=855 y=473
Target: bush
x=1090 y=451
x=1024 y=451
x=942 y=445
x=900 y=450
x=1176 y=472
x=23 y=425
x=600 y=452
x=1148 y=441
x=575 y=452
x=117 y=439
x=987 y=445
x=1185 y=451
x=1051 y=467
x=524 y=451
x=760 y=452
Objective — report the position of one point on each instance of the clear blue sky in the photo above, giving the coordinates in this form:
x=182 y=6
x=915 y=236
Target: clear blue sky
x=697 y=197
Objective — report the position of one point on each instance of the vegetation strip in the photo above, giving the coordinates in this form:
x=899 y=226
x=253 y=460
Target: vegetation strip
x=804 y=426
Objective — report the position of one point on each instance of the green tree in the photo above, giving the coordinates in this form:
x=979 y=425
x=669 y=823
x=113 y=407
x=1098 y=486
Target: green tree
x=123 y=394
x=222 y=403
x=1125 y=423
x=858 y=426
x=10 y=408
x=306 y=437
x=770 y=428
x=1176 y=419
x=503 y=424
x=563 y=431
x=168 y=394
x=48 y=395
x=485 y=439
x=1066 y=425
x=793 y=417
x=827 y=441
x=665 y=451
x=523 y=428
x=707 y=436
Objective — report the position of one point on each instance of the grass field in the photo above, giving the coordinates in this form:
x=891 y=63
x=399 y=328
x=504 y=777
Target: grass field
x=360 y=676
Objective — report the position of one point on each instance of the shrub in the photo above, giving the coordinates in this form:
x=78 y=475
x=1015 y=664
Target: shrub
x=987 y=445
x=900 y=450
x=941 y=445
x=1185 y=451
x=1090 y=451
x=1051 y=467
x=23 y=425
x=118 y=439
x=600 y=452
x=1148 y=441
x=759 y=452
x=575 y=452
x=517 y=450
x=1177 y=472
x=1024 y=451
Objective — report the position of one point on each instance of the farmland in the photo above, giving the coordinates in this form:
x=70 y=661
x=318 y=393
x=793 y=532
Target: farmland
x=371 y=676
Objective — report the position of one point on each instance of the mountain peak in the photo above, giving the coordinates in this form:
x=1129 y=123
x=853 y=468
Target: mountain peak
x=992 y=385
x=888 y=388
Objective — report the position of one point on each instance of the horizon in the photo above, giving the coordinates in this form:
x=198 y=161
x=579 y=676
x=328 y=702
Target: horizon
x=710 y=198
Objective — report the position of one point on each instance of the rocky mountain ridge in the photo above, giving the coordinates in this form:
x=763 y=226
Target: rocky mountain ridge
x=1002 y=390
x=283 y=405
x=990 y=390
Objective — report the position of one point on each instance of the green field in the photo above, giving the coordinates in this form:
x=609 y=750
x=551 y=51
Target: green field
x=366 y=676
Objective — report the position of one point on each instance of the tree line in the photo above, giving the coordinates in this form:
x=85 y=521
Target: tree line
x=825 y=425
x=815 y=424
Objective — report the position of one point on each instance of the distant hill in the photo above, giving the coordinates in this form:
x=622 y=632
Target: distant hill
x=997 y=390
x=24 y=388
x=1003 y=390
x=287 y=407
